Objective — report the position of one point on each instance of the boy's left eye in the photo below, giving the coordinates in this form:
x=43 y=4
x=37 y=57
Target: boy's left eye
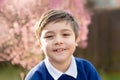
x=66 y=34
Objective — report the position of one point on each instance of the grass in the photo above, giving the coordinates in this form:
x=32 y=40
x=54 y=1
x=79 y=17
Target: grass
x=111 y=76
x=9 y=72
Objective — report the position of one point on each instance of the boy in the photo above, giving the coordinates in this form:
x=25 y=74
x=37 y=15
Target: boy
x=57 y=32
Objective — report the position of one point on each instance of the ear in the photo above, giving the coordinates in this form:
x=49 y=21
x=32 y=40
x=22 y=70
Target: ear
x=40 y=43
x=76 y=44
x=77 y=41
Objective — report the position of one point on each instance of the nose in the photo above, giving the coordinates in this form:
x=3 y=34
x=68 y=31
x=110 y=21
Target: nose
x=58 y=40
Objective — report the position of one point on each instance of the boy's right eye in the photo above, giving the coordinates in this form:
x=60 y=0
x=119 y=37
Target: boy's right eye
x=49 y=36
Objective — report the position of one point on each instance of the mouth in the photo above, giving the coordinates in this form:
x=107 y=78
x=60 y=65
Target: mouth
x=58 y=50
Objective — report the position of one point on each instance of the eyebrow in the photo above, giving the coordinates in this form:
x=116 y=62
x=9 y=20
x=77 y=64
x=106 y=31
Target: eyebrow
x=63 y=30
x=66 y=30
x=47 y=32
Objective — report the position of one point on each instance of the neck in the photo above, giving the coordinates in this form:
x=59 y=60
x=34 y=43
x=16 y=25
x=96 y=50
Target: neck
x=62 y=66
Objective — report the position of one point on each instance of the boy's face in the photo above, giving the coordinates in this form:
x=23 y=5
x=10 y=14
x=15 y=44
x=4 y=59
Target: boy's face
x=58 y=41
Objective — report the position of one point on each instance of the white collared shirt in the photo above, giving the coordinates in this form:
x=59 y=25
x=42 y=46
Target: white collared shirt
x=72 y=70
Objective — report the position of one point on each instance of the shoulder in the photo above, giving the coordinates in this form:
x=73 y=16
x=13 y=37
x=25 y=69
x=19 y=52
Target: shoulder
x=37 y=73
x=86 y=67
x=82 y=62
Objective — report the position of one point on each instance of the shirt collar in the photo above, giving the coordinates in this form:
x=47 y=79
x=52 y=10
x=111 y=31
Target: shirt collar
x=72 y=70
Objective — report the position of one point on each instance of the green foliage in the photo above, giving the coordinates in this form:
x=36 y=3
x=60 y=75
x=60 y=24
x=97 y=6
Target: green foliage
x=10 y=72
x=110 y=76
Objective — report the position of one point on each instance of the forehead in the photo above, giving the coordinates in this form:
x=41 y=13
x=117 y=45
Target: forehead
x=58 y=25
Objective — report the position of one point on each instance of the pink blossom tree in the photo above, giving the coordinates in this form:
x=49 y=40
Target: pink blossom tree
x=17 y=19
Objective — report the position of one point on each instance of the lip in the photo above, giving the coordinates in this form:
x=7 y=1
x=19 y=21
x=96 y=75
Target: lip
x=58 y=50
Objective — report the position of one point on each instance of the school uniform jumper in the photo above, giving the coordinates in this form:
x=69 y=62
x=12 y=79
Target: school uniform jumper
x=85 y=71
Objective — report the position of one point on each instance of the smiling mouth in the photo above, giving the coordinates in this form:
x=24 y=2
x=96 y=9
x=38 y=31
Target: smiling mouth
x=59 y=50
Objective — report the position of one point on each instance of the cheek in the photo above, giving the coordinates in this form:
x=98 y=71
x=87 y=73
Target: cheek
x=43 y=45
x=46 y=46
x=71 y=43
x=71 y=47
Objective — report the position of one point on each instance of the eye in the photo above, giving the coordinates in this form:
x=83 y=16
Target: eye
x=66 y=34
x=50 y=36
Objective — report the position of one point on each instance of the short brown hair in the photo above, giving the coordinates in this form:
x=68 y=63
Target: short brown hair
x=55 y=16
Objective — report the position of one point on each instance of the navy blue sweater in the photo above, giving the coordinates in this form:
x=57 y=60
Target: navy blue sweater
x=86 y=71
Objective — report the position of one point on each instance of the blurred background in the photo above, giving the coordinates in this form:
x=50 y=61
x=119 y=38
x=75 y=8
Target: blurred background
x=99 y=27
